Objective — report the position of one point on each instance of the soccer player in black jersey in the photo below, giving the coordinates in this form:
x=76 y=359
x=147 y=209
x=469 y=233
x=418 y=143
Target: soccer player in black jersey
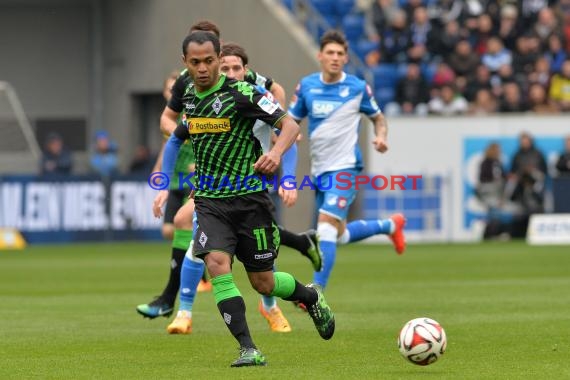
x=234 y=64
x=234 y=211
x=181 y=214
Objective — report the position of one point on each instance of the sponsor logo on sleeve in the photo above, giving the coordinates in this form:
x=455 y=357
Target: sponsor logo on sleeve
x=267 y=105
x=374 y=104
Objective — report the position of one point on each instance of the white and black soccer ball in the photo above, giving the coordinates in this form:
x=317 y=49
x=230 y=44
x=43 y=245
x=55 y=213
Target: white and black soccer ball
x=422 y=341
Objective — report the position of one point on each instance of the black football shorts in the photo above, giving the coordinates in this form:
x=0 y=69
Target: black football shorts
x=242 y=226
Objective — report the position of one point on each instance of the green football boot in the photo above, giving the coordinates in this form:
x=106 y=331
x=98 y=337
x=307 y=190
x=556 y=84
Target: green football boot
x=249 y=357
x=322 y=314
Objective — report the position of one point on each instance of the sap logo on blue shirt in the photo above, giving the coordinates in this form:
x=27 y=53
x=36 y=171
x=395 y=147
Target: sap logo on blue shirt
x=322 y=108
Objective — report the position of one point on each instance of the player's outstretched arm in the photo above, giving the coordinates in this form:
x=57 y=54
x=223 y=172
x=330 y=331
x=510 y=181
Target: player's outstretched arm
x=381 y=131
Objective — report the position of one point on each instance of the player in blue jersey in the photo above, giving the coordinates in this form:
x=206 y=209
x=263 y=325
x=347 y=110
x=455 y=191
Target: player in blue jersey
x=333 y=101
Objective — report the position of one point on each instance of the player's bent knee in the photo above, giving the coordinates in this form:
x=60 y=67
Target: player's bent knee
x=262 y=282
x=327 y=232
x=218 y=263
x=263 y=288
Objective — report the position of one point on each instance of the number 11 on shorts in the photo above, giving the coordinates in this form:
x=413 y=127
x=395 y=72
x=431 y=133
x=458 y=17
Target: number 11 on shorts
x=261 y=238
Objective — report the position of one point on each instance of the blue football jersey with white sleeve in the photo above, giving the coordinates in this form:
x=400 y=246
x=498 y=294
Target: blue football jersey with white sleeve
x=334 y=111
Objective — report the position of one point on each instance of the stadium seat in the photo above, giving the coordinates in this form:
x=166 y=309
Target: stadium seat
x=384 y=95
x=402 y=70
x=324 y=7
x=351 y=68
x=363 y=47
x=385 y=75
x=344 y=7
x=353 y=27
x=332 y=20
x=428 y=72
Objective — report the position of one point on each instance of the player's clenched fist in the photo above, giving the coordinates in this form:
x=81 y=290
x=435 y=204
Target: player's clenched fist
x=267 y=163
x=380 y=145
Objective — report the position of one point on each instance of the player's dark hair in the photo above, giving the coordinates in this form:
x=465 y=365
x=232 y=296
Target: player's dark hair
x=334 y=36
x=231 y=48
x=205 y=26
x=201 y=38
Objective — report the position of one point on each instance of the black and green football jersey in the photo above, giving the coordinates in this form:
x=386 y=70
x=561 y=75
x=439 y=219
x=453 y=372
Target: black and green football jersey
x=186 y=154
x=256 y=78
x=219 y=122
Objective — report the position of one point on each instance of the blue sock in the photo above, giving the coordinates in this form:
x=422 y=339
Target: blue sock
x=190 y=276
x=269 y=301
x=329 y=256
x=362 y=229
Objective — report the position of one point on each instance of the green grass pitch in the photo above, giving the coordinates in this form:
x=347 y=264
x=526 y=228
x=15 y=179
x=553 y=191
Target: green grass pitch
x=68 y=312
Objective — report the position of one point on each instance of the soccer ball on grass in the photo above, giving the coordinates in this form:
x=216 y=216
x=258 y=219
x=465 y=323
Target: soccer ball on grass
x=422 y=341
